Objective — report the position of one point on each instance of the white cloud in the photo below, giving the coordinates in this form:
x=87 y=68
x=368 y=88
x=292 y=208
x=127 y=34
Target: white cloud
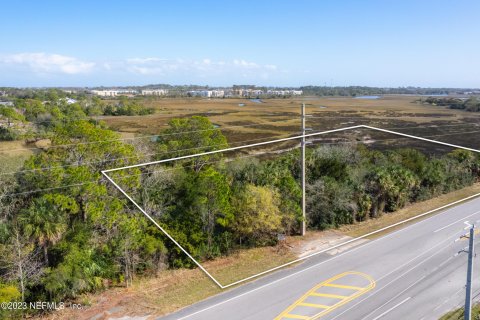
x=206 y=66
x=243 y=63
x=45 y=65
x=49 y=63
x=144 y=60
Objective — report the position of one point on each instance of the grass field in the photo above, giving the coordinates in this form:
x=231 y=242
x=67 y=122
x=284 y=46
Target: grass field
x=274 y=118
x=277 y=118
x=13 y=154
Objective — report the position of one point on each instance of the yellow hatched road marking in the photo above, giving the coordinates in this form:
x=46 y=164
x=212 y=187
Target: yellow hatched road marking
x=328 y=295
x=314 y=305
x=287 y=313
x=343 y=286
x=295 y=316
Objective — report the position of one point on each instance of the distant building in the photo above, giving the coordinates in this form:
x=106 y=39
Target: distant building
x=154 y=92
x=207 y=93
x=218 y=93
x=114 y=93
x=285 y=92
x=105 y=93
x=6 y=103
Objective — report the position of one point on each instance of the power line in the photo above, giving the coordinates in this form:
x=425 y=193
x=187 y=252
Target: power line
x=195 y=148
x=131 y=157
x=95 y=181
x=436 y=126
x=176 y=133
x=144 y=137
x=331 y=143
x=101 y=179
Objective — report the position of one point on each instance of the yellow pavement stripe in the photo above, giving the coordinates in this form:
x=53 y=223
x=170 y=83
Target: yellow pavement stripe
x=314 y=305
x=328 y=295
x=343 y=299
x=341 y=303
x=466 y=236
x=342 y=286
x=295 y=316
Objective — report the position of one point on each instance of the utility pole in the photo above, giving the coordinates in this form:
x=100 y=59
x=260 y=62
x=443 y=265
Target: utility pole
x=468 y=293
x=303 y=172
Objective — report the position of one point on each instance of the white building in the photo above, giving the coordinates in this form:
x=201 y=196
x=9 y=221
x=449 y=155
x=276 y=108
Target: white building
x=218 y=93
x=155 y=92
x=105 y=93
x=285 y=92
x=114 y=93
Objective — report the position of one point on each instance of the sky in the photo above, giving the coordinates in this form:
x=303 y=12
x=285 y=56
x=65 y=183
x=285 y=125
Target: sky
x=428 y=43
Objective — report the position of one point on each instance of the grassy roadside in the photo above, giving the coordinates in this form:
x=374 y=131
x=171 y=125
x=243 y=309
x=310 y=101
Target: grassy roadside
x=175 y=289
x=458 y=314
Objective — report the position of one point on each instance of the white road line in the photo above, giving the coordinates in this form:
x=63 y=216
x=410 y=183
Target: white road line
x=459 y=220
x=322 y=262
x=293 y=138
x=395 y=297
x=448 y=299
x=104 y=172
x=238 y=148
x=325 y=261
x=400 y=276
x=395 y=306
x=444 y=262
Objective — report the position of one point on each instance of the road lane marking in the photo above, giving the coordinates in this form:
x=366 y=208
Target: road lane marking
x=402 y=275
x=317 y=310
x=294 y=316
x=313 y=305
x=459 y=220
x=334 y=285
x=466 y=236
x=329 y=295
x=392 y=308
x=389 y=235
x=448 y=299
x=395 y=297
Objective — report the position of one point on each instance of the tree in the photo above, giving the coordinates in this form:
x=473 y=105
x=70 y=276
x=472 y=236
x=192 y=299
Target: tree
x=391 y=187
x=258 y=218
x=189 y=136
x=329 y=204
x=19 y=259
x=334 y=162
x=78 y=227
x=45 y=220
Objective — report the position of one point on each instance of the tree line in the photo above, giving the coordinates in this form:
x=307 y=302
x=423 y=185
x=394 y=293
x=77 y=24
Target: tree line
x=64 y=230
x=36 y=118
x=471 y=104
x=352 y=91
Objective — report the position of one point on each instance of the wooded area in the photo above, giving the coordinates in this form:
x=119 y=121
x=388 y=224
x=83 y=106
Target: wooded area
x=64 y=230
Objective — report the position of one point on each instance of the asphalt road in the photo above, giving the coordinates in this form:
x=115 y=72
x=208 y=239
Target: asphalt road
x=411 y=273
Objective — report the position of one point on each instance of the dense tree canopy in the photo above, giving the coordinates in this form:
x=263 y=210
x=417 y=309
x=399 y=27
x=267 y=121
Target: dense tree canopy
x=64 y=230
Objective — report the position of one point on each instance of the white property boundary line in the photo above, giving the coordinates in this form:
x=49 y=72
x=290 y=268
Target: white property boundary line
x=105 y=173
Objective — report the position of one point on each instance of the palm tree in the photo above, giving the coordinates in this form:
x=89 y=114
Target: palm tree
x=44 y=224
